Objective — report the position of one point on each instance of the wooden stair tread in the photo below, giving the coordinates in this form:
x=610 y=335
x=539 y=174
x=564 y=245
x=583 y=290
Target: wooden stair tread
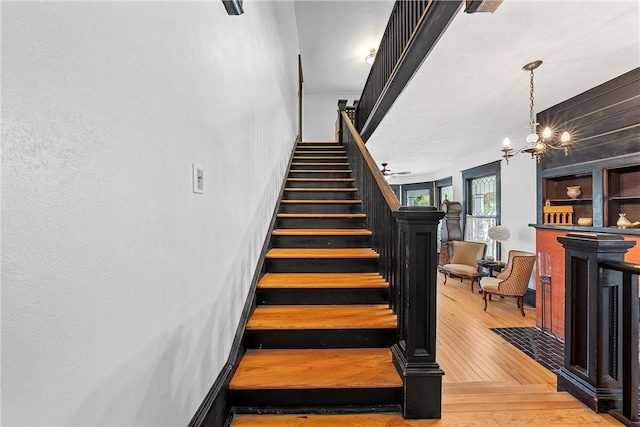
x=320 y=201
x=360 y=316
x=320 y=164
x=320 y=170
x=321 y=150
x=322 y=215
x=321 y=281
x=320 y=189
x=322 y=253
x=320 y=179
x=319 y=157
x=312 y=369
x=321 y=232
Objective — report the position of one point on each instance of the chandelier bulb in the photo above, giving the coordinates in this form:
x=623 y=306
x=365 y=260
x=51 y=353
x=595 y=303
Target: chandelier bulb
x=546 y=133
x=506 y=144
x=565 y=138
x=532 y=138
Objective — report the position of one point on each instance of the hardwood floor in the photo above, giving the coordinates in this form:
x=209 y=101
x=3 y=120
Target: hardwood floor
x=487 y=381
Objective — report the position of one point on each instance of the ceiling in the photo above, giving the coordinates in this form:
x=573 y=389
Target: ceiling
x=470 y=92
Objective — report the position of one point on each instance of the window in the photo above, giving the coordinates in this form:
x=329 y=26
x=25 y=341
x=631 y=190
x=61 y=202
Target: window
x=420 y=194
x=482 y=204
x=444 y=190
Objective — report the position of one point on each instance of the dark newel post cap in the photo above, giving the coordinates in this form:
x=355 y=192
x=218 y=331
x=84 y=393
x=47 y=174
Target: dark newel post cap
x=595 y=240
x=418 y=214
x=342 y=104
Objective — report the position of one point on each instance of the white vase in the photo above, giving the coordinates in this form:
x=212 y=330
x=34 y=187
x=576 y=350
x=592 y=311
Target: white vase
x=574 y=191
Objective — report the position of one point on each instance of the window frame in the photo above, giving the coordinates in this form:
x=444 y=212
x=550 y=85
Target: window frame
x=481 y=171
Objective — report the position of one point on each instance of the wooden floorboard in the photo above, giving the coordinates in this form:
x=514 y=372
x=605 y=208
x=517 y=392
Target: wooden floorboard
x=307 y=369
x=487 y=381
x=362 y=316
x=321 y=280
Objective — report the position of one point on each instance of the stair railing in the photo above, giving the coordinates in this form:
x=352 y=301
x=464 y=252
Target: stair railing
x=405 y=238
x=628 y=414
x=413 y=29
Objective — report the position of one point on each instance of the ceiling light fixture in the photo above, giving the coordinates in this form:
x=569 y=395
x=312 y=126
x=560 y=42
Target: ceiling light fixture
x=371 y=57
x=537 y=144
x=385 y=172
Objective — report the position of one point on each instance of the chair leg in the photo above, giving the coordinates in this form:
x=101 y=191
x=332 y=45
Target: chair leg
x=446 y=275
x=473 y=280
x=484 y=296
x=521 y=301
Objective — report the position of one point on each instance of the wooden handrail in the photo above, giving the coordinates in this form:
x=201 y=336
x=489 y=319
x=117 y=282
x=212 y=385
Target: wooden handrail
x=388 y=194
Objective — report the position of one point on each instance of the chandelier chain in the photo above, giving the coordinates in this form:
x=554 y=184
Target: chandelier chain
x=532 y=121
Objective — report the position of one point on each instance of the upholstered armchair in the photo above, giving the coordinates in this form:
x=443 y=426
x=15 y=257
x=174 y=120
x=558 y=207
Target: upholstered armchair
x=513 y=280
x=464 y=261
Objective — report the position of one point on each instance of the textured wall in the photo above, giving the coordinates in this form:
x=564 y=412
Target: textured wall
x=320 y=112
x=121 y=289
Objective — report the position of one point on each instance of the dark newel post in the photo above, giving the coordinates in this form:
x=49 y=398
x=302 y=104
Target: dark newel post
x=415 y=353
x=592 y=357
x=342 y=106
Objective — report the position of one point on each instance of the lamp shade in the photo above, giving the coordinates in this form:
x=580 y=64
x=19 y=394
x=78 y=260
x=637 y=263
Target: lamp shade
x=499 y=233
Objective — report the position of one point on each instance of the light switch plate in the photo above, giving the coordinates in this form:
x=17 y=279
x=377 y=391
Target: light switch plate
x=198 y=178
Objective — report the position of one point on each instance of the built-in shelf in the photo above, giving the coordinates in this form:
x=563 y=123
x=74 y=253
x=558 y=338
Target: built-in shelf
x=623 y=194
x=589 y=200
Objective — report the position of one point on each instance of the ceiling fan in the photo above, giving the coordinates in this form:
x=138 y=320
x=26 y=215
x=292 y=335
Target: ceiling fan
x=387 y=172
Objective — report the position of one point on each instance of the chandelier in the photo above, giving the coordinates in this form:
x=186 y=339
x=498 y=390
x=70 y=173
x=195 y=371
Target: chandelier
x=537 y=145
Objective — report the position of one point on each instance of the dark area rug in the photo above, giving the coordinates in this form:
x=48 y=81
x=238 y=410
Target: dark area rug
x=543 y=348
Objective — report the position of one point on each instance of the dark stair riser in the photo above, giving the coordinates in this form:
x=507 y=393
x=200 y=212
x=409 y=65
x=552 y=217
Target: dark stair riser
x=320 y=222
x=336 y=146
x=305 y=165
x=320 y=195
x=320 y=338
x=319 y=183
x=320 y=159
x=321 y=242
x=315 y=174
x=316 y=397
x=340 y=208
x=322 y=265
x=321 y=152
x=328 y=296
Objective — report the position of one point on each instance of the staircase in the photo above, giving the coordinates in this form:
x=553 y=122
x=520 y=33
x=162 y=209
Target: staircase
x=319 y=337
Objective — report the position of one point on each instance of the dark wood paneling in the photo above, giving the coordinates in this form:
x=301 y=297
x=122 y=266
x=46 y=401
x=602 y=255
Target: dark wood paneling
x=603 y=121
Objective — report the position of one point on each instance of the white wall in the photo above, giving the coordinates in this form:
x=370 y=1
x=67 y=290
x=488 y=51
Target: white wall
x=518 y=199
x=121 y=289
x=320 y=112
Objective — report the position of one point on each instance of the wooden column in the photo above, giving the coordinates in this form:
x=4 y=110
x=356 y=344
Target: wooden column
x=415 y=353
x=592 y=350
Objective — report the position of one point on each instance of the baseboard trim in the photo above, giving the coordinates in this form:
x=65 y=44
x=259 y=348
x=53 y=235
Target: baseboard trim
x=215 y=410
x=530 y=298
